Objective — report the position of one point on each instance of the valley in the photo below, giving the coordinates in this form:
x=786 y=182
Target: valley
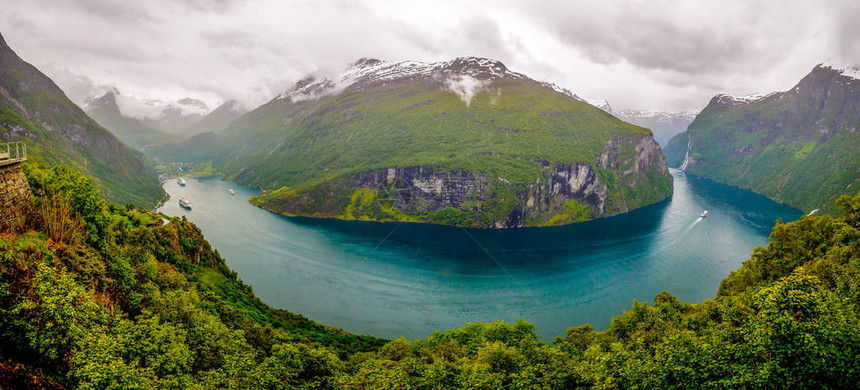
x=465 y=142
x=445 y=195
x=355 y=274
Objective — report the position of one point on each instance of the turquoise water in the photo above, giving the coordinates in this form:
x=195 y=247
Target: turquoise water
x=400 y=279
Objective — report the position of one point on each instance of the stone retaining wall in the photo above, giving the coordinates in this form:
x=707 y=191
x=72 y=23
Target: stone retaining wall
x=14 y=197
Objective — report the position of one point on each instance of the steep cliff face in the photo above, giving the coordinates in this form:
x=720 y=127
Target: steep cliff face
x=800 y=147
x=559 y=194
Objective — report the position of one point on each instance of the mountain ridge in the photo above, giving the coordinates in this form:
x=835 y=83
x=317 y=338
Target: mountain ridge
x=805 y=136
x=34 y=108
x=466 y=142
x=132 y=131
x=664 y=125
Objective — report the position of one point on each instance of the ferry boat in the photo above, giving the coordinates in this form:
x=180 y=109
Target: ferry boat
x=181 y=181
x=704 y=214
x=185 y=203
x=232 y=192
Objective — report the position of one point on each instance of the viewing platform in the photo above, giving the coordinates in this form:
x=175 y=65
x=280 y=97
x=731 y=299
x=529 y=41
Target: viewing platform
x=12 y=152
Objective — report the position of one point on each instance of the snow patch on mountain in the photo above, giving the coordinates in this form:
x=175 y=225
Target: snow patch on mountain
x=599 y=103
x=843 y=69
x=561 y=90
x=189 y=106
x=658 y=116
x=735 y=100
x=465 y=76
x=309 y=88
x=141 y=108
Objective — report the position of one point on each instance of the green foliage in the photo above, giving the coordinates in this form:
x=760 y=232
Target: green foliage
x=785 y=147
x=136 y=303
x=72 y=187
x=154 y=306
x=571 y=212
x=308 y=153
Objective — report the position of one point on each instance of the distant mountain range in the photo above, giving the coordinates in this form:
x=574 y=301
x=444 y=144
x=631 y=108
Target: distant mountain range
x=664 y=125
x=800 y=147
x=34 y=109
x=465 y=142
x=134 y=132
x=141 y=123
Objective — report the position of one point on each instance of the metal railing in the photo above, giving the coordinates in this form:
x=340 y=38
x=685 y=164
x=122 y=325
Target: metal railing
x=12 y=152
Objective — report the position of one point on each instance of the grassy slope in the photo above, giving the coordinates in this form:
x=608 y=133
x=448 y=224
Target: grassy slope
x=413 y=125
x=505 y=133
x=796 y=165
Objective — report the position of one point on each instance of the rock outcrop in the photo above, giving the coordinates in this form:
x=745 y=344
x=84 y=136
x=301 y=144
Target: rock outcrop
x=563 y=193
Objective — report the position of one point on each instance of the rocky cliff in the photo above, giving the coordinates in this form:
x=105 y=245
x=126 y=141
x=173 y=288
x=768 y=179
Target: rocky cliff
x=560 y=194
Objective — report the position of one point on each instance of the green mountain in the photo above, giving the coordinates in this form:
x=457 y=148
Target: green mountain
x=465 y=142
x=132 y=131
x=114 y=298
x=217 y=120
x=800 y=147
x=34 y=109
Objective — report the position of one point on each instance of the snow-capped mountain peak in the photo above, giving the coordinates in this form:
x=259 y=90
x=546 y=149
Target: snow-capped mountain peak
x=843 y=69
x=734 y=100
x=463 y=75
x=600 y=103
x=187 y=106
x=370 y=71
x=659 y=116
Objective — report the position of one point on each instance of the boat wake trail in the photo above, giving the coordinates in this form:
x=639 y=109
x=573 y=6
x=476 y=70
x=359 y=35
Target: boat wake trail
x=694 y=223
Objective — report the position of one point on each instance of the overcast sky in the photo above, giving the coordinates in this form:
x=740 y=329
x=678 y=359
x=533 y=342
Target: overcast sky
x=650 y=54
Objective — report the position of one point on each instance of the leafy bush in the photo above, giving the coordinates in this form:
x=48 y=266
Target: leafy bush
x=154 y=306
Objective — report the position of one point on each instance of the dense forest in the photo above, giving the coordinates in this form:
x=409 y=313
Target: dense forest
x=100 y=296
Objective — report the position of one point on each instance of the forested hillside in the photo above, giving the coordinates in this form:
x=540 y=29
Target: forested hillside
x=94 y=295
x=35 y=110
x=799 y=147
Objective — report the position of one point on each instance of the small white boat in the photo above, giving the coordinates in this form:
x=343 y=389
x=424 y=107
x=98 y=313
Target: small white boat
x=181 y=181
x=185 y=203
x=232 y=192
x=704 y=214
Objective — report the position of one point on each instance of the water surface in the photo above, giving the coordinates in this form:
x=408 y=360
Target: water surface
x=402 y=279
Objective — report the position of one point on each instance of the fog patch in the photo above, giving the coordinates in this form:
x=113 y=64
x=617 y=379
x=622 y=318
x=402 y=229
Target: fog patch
x=466 y=87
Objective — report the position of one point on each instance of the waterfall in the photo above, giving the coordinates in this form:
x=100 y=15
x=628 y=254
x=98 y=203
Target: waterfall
x=687 y=156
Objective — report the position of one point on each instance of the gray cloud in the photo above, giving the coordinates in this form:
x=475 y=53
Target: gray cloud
x=689 y=37
x=657 y=54
x=847 y=21
x=76 y=86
